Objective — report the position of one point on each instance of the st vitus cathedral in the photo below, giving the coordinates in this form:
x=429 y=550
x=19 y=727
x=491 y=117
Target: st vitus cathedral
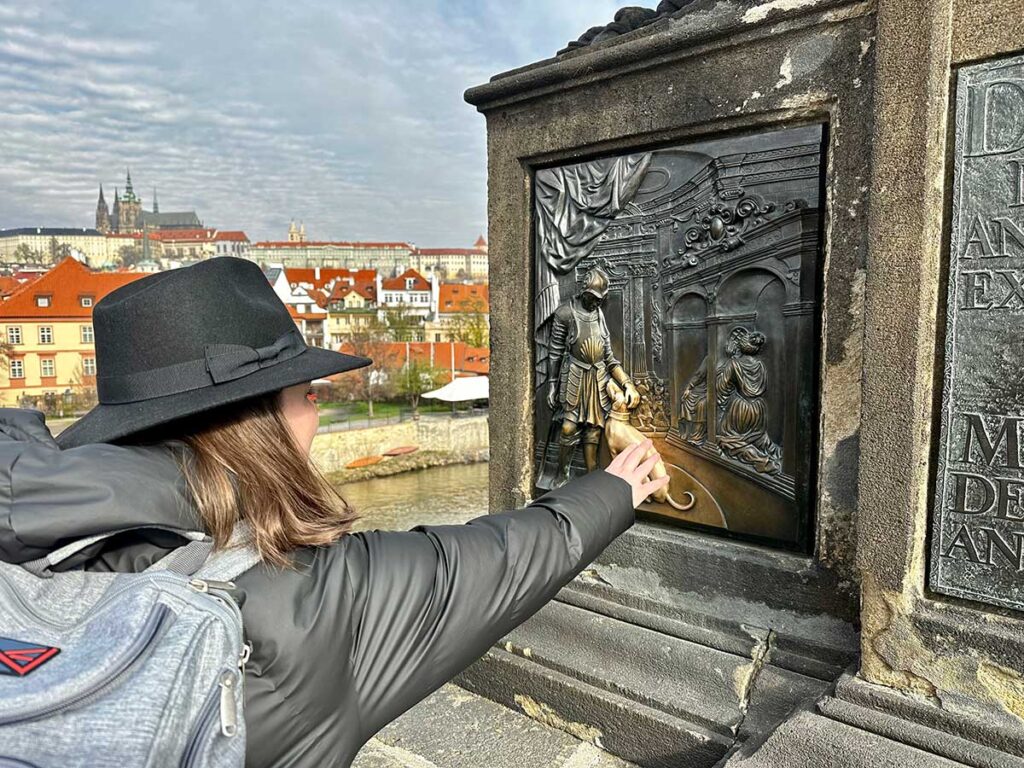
x=128 y=215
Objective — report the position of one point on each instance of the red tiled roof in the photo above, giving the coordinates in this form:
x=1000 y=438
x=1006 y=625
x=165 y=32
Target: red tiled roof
x=420 y=283
x=297 y=275
x=318 y=296
x=65 y=284
x=456 y=297
x=480 y=242
x=296 y=315
x=8 y=284
x=466 y=359
x=236 y=235
x=322 y=243
x=367 y=290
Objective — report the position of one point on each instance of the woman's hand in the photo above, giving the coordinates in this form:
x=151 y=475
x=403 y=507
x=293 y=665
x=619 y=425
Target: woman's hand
x=631 y=466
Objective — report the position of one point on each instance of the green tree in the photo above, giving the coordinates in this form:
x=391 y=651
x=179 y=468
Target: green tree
x=470 y=324
x=401 y=324
x=23 y=254
x=417 y=377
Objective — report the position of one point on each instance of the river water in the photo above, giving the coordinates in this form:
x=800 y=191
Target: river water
x=435 y=496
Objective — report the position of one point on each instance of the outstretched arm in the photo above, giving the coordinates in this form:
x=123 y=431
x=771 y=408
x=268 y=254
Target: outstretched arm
x=428 y=602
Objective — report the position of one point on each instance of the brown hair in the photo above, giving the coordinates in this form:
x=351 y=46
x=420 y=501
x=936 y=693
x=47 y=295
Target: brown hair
x=244 y=464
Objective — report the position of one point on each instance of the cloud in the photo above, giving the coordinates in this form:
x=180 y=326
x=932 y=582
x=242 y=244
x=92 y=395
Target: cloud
x=347 y=116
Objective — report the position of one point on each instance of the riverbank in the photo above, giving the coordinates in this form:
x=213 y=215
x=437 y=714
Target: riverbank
x=394 y=465
x=440 y=441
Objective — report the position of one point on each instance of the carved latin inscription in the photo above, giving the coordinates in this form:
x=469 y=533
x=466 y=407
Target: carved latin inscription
x=978 y=518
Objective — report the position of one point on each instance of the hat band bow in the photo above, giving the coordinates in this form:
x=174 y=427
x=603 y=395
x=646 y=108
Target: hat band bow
x=225 y=362
x=220 y=363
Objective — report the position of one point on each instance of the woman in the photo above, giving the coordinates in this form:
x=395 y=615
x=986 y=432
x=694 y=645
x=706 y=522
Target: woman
x=742 y=382
x=205 y=421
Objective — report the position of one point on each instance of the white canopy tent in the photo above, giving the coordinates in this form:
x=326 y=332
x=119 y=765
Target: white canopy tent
x=462 y=389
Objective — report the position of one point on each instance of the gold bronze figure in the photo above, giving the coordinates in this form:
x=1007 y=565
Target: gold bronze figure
x=580 y=365
x=620 y=434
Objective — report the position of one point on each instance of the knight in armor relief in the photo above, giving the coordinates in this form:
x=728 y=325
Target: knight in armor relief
x=580 y=365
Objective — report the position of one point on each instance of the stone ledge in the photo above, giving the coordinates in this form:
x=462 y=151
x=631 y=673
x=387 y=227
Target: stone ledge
x=861 y=725
x=713 y=23
x=612 y=675
x=453 y=728
x=808 y=740
x=644 y=735
x=664 y=563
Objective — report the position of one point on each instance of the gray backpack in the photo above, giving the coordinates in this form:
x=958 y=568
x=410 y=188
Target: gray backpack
x=124 y=669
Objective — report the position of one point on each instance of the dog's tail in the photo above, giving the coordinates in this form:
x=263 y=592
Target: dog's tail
x=682 y=508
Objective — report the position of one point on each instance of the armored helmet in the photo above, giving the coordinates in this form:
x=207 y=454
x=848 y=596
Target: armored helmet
x=596 y=282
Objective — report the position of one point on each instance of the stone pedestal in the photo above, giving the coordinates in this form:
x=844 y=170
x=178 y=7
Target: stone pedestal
x=683 y=647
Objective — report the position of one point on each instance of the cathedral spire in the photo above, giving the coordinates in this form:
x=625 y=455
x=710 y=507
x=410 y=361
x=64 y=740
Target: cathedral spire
x=102 y=214
x=128 y=186
x=156 y=206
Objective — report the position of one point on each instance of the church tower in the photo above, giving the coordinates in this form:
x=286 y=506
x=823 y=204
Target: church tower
x=128 y=207
x=102 y=214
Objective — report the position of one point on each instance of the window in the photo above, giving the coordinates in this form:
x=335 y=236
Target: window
x=89 y=366
x=17 y=369
x=42 y=301
x=46 y=334
x=14 y=334
x=87 y=334
x=46 y=367
x=86 y=301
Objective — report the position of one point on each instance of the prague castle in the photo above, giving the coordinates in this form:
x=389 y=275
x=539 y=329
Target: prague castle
x=128 y=216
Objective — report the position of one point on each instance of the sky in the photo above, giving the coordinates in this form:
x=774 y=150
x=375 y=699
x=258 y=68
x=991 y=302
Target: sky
x=345 y=115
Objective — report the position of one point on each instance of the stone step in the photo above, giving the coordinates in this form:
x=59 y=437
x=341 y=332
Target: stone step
x=817 y=645
x=656 y=699
x=453 y=728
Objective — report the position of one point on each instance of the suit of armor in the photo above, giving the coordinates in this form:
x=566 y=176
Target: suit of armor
x=580 y=365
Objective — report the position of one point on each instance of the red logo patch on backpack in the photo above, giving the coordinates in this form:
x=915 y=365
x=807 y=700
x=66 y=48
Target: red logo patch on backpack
x=19 y=658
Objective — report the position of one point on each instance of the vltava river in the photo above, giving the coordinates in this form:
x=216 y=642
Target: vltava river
x=435 y=496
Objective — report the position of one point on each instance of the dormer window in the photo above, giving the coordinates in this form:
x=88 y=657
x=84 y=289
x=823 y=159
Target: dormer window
x=86 y=301
x=42 y=300
x=409 y=281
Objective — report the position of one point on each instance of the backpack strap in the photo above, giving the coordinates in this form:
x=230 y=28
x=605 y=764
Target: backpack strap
x=43 y=566
x=196 y=558
x=223 y=564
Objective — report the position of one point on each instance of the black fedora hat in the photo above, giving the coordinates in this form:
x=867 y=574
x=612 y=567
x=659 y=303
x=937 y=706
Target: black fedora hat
x=182 y=342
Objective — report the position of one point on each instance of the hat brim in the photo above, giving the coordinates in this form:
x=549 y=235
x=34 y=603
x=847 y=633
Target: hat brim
x=106 y=423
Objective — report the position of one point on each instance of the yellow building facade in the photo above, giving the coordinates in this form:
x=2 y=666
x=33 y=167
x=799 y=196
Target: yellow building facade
x=47 y=333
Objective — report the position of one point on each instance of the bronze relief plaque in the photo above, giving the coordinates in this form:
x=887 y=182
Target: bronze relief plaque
x=677 y=297
x=977 y=530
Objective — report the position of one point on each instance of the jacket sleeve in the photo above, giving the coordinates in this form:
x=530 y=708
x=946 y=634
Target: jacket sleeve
x=429 y=602
x=49 y=496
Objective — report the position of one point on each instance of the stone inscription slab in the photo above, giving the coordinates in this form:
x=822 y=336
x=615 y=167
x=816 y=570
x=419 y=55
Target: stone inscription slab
x=978 y=517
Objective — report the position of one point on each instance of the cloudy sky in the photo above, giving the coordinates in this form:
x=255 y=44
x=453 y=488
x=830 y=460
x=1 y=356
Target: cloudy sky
x=347 y=115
